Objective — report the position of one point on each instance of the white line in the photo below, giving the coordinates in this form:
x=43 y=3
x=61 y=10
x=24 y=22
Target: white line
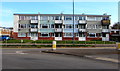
x=20 y=52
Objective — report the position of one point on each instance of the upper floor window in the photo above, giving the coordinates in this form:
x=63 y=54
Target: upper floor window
x=105 y=18
x=98 y=18
x=105 y=27
x=28 y=17
x=91 y=26
x=44 y=18
x=82 y=18
x=51 y=17
x=34 y=17
x=33 y=26
x=68 y=17
x=82 y=26
x=22 y=17
x=22 y=26
x=91 y=18
x=44 y=26
x=68 y=26
x=58 y=18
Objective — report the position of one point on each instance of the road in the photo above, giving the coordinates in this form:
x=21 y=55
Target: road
x=34 y=59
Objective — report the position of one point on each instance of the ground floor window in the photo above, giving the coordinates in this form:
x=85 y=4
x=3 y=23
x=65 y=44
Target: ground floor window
x=92 y=34
x=21 y=34
x=104 y=35
x=68 y=35
x=81 y=34
x=32 y=34
x=44 y=34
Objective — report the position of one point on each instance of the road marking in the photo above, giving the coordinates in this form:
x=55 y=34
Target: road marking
x=103 y=58
x=20 y=52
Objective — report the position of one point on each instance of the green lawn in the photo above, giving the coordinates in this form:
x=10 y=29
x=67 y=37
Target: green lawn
x=58 y=42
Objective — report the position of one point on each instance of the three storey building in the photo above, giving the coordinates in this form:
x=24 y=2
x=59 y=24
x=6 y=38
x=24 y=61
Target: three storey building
x=60 y=27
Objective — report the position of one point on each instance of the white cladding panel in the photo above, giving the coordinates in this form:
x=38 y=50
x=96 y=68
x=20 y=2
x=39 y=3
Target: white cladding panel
x=16 y=20
x=69 y=22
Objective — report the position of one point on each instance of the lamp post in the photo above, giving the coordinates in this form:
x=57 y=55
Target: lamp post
x=73 y=21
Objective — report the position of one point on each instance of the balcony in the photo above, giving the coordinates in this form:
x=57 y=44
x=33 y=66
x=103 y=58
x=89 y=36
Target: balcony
x=81 y=30
x=58 y=21
x=105 y=22
x=105 y=30
x=82 y=22
x=33 y=30
x=58 y=30
x=33 y=21
x=58 y=38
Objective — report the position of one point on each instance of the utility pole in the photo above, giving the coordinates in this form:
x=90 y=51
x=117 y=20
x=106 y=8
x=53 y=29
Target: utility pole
x=73 y=21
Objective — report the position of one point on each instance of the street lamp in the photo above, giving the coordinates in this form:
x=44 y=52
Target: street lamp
x=73 y=21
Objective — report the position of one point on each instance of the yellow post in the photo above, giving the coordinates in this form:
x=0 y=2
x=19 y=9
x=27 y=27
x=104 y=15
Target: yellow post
x=118 y=46
x=54 y=45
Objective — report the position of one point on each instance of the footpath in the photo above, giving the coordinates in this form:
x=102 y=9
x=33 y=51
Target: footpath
x=110 y=55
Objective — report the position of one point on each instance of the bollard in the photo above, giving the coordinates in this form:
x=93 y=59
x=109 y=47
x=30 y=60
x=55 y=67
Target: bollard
x=54 y=45
x=119 y=46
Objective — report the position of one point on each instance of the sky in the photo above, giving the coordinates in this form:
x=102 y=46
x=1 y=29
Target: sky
x=92 y=8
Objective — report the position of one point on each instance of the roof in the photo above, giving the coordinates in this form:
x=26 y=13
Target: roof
x=63 y=14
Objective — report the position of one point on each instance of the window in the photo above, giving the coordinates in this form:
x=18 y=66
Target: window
x=98 y=34
x=44 y=17
x=68 y=35
x=33 y=26
x=98 y=18
x=34 y=18
x=51 y=17
x=57 y=17
x=77 y=35
x=105 y=18
x=76 y=18
x=81 y=35
x=82 y=26
x=68 y=17
x=21 y=34
x=104 y=35
x=52 y=34
x=82 y=18
x=92 y=34
x=44 y=26
x=22 y=17
x=76 y=26
x=22 y=25
x=52 y=25
x=44 y=34
x=91 y=18
x=91 y=26
x=33 y=34
x=105 y=27
x=69 y=26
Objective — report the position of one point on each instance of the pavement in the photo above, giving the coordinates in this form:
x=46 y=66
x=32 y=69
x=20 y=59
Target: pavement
x=36 y=59
x=110 y=55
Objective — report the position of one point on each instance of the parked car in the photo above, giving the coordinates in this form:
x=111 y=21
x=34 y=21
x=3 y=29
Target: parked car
x=4 y=37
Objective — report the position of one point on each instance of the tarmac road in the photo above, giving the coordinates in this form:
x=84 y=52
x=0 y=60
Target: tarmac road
x=34 y=59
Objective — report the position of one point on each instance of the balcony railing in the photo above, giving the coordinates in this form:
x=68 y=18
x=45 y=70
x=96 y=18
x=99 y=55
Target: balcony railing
x=81 y=30
x=33 y=30
x=58 y=30
x=33 y=21
x=105 y=22
x=58 y=21
x=105 y=30
x=82 y=22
